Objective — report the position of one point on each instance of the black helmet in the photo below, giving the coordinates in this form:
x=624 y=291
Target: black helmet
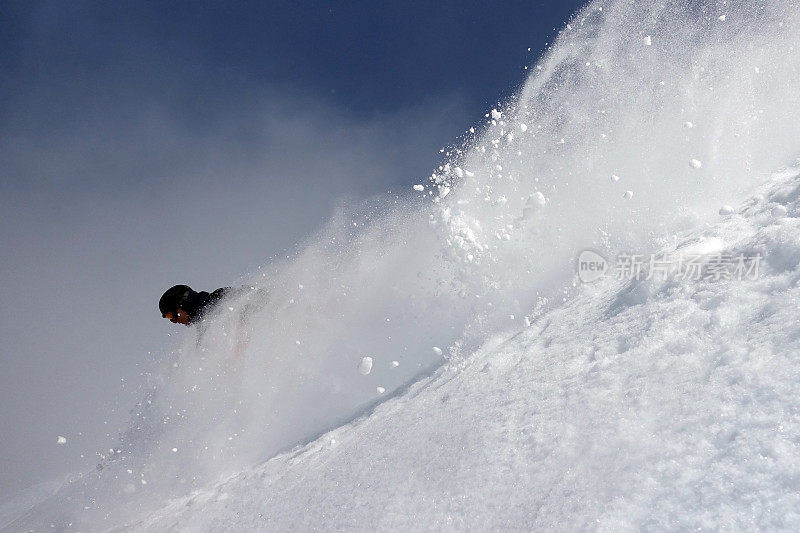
x=175 y=298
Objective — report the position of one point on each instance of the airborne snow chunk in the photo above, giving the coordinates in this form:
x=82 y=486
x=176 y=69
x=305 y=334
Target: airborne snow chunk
x=648 y=41
x=779 y=211
x=437 y=350
x=614 y=177
x=696 y=163
x=534 y=202
x=419 y=187
x=381 y=390
x=536 y=199
x=395 y=364
x=726 y=210
x=628 y=195
x=61 y=440
x=523 y=127
x=366 y=366
x=496 y=114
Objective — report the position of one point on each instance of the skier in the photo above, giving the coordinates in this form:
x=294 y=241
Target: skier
x=182 y=305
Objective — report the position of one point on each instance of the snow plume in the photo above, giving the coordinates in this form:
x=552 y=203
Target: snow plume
x=639 y=122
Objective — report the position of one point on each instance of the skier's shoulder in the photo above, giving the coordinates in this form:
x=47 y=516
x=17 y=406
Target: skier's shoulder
x=248 y=291
x=222 y=292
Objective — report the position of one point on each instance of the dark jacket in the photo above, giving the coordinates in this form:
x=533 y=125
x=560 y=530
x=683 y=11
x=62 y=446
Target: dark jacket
x=198 y=304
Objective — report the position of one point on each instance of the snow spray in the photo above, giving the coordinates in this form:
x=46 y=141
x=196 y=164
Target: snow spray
x=638 y=122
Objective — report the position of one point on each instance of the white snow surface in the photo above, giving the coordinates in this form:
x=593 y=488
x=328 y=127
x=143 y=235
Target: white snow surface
x=662 y=404
x=668 y=404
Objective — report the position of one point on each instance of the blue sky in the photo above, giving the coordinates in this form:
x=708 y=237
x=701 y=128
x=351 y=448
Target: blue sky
x=150 y=143
x=364 y=56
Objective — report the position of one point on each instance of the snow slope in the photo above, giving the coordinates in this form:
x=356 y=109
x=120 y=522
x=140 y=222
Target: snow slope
x=661 y=404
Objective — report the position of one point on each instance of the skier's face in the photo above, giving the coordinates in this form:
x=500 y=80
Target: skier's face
x=178 y=317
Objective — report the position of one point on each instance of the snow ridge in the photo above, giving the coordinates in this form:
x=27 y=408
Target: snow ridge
x=678 y=408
